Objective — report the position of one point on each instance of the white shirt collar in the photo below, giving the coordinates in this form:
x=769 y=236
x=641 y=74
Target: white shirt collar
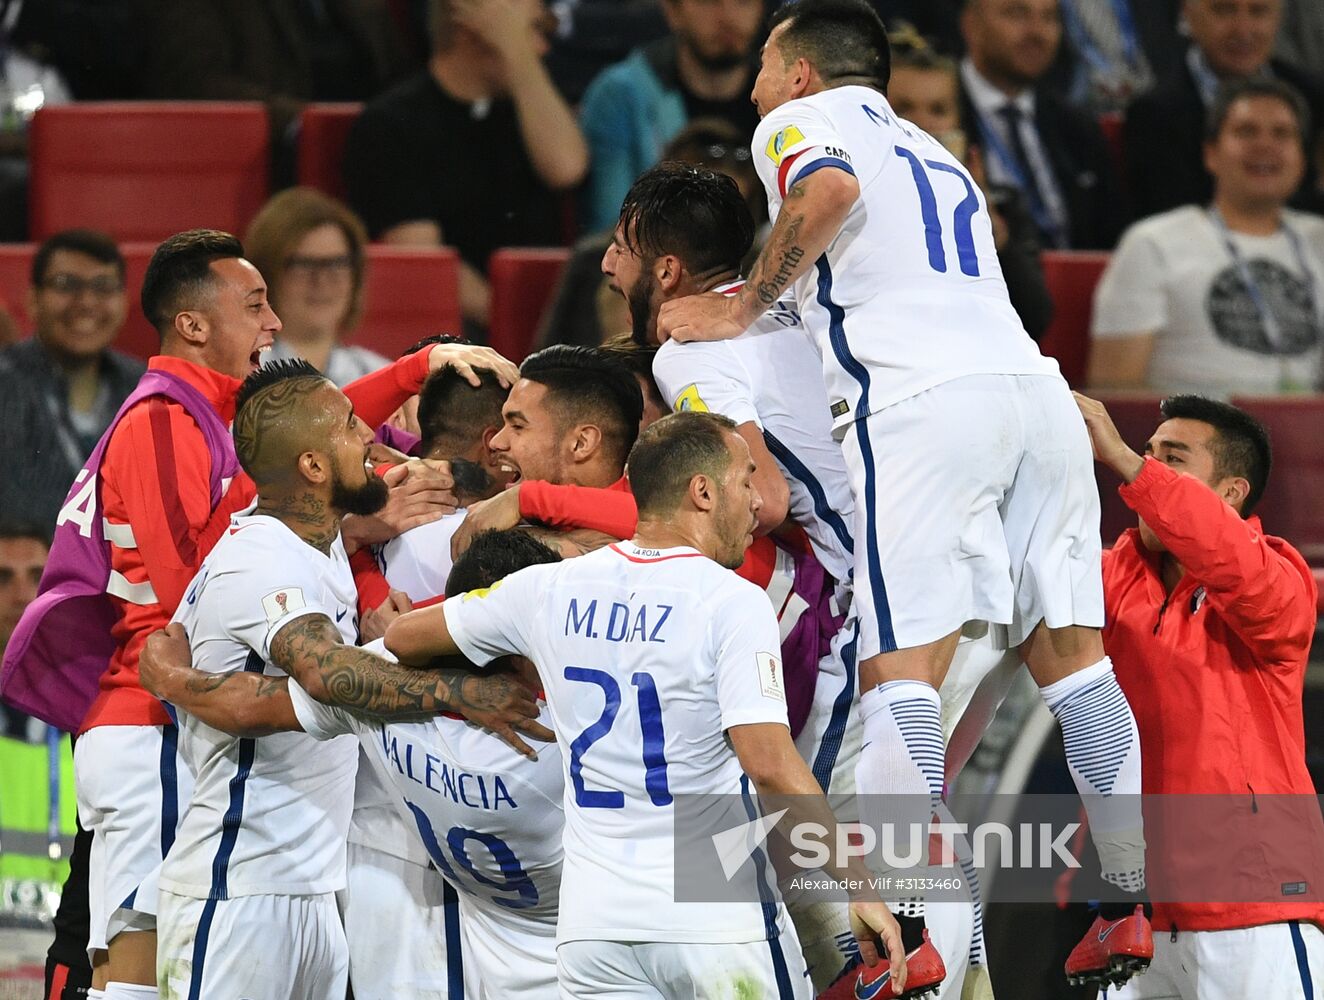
x=988 y=99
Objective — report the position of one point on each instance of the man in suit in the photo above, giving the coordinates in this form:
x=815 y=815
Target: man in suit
x=1032 y=139
x=1230 y=40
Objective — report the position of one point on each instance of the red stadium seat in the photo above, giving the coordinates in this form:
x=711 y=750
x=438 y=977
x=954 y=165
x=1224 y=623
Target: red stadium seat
x=410 y=293
x=1293 y=504
x=323 y=129
x=523 y=280
x=1136 y=415
x=15 y=278
x=1071 y=277
x=141 y=171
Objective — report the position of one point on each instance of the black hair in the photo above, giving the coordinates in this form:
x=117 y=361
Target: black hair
x=430 y=341
x=586 y=385
x=450 y=408
x=24 y=529
x=272 y=373
x=180 y=272
x=639 y=359
x=494 y=555
x=1241 y=444
x=671 y=452
x=1238 y=90
x=88 y=242
x=839 y=38
x=690 y=211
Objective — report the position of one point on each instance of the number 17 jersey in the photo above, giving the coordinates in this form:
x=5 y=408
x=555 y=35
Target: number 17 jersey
x=910 y=293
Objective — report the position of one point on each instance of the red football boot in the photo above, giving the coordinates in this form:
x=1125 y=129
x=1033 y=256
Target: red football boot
x=924 y=974
x=1112 y=952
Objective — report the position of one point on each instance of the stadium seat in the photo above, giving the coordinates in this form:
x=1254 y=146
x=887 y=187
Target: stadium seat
x=1136 y=415
x=523 y=280
x=1293 y=504
x=1071 y=277
x=410 y=293
x=15 y=271
x=141 y=171
x=320 y=149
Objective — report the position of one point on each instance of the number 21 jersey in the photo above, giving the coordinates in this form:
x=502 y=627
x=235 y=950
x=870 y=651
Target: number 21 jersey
x=910 y=293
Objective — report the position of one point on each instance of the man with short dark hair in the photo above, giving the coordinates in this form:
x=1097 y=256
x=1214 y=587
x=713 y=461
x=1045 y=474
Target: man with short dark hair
x=60 y=389
x=1210 y=622
x=23 y=549
x=1224 y=298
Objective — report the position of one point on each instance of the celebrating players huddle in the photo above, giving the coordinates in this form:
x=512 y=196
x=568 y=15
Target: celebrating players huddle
x=765 y=595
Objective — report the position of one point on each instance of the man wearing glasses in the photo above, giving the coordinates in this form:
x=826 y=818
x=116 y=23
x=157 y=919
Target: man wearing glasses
x=60 y=388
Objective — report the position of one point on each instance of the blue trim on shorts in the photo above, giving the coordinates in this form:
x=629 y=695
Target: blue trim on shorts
x=822 y=509
x=234 y=814
x=200 y=949
x=169 y=787
x=768 y=904
x=841 y=350
x=825 y=761
x=1302 y=961
x=450 y=902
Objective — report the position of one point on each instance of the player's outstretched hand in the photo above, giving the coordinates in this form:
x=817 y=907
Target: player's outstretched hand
x=464 y=358
x=373 y=625
x=504 y=705
x=874 y=925
x=1109 y=448
x=500 y=513
x=164 y=656
x=710 y=316
x=422 y=490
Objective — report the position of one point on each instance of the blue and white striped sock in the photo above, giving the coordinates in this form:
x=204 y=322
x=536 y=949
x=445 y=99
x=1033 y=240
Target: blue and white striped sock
x=1103 y=754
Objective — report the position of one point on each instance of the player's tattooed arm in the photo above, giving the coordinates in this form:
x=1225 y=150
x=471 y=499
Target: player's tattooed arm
x=309 y=650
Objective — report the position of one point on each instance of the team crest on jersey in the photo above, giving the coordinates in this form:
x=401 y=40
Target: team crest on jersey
x=770 y=676
x=480 y=592
x=690 y=400
x=782 y=141
x=280 y=603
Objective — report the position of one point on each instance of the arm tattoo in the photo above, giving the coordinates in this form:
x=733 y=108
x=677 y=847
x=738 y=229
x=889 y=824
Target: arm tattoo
x=784 y=248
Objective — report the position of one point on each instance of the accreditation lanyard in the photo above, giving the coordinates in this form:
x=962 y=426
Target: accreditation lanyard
x=1035 y=194
x=1084 y=41
x=1273 y=331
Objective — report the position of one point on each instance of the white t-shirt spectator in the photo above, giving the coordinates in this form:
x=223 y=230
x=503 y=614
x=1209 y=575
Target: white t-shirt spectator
x=1174 y=275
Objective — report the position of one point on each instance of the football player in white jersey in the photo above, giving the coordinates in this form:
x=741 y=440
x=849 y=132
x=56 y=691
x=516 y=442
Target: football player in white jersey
x=662 y=677
x=488 y=818
x=975 y=496
x=246 y=904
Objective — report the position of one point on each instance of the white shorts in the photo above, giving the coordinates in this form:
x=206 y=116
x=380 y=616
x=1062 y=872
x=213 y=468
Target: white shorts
x=251 y=946
x=975 y=501
x=506 y=957
x=830 y=739
x=132 y=786
x=402 y=924
x=625 y=970
x=1283 y=961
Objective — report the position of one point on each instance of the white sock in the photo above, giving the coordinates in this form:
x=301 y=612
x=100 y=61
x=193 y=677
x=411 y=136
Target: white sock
x=902 y=758
x=129 y=991
x=1103 y=755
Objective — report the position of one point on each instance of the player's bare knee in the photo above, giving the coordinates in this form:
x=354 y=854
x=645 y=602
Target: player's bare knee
x=1053 y=653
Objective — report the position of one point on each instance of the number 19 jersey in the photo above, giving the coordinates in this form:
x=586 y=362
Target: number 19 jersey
x=647 y=658
x=910 y=293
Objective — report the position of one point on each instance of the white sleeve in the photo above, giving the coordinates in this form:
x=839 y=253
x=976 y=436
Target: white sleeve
x=707 y=378
x=495 y=621
x=748 y=652
x=1132 y=296
x=795 y=141
x=264 y=596
x=321 y=722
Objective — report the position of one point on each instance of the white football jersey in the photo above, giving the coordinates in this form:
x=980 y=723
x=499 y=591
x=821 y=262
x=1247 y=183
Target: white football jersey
x=419 y=561
x=647 y=658
x=489 y=819
x=910 y=293
x=268 y=815
x=771 y=376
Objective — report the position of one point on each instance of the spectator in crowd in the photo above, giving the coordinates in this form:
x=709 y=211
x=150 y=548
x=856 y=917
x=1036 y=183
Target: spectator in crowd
x=1223 y=299
x=310 y=249
x=60 y=389
x=704 y=69
x=1032 y=139
x=584 y=310
x=1230 y=40
x=1301 y=35
x=284 y=54
x=23 y=549
x=470 y=152
x=1209 y=625
x=592 y=34
x=1117 y=49
x=925 y=88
